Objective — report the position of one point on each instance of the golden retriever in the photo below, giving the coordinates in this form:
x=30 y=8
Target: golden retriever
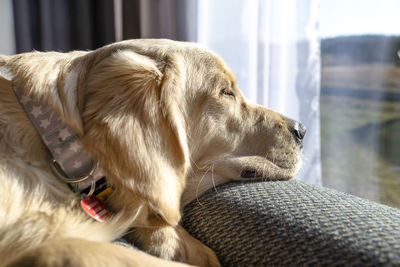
x=164 y=119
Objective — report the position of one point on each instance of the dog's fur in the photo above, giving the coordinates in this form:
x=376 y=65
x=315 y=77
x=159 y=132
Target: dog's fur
x=165 y=120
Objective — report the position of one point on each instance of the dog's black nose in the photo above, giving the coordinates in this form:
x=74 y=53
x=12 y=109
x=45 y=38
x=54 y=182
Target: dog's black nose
x=299 y=131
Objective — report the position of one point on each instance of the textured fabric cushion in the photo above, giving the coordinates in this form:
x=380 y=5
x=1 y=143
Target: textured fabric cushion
x=293 y=223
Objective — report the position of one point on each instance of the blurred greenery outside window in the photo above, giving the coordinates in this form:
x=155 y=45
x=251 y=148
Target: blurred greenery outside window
x=360 y=98
x=360 y=116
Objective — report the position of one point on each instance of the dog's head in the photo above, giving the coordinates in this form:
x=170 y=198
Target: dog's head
x=154 y=111
x=238 y=140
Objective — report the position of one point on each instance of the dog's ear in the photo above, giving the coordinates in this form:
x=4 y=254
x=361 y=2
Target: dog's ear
x=172 y=100
x=51 y=77
x=134 y=126
x=173 y=103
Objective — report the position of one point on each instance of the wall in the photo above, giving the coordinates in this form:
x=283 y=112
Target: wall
x=7 y=41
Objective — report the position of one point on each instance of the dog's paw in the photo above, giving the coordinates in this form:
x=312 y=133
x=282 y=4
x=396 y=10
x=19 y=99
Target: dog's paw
x=196 y=252
x=84 y=253
x=174 y=243
x=38 y=258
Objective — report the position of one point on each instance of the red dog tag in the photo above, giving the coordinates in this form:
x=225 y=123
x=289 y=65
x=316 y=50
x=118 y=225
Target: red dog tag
x=94 y=208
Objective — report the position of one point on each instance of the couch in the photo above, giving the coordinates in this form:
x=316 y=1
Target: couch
x=292 y=223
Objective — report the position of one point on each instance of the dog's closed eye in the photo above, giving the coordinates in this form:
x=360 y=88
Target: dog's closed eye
x=227 y=92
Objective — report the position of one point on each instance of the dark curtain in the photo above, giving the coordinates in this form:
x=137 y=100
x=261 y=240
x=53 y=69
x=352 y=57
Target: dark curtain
x=172 y=19
x=65 y=25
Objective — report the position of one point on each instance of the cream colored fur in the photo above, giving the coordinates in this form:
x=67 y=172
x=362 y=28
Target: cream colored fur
x=166 y=121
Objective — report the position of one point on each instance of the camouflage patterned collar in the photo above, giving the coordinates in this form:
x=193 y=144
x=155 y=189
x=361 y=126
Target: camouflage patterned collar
x=72 y=164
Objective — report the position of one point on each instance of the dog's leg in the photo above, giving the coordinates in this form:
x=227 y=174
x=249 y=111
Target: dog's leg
x=81 y=252
x=173 y=243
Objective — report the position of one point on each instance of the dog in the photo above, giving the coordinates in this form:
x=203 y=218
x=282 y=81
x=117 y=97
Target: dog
x=164 y=120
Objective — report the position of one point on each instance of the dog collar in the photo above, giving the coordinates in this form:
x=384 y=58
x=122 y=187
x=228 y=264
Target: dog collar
x=70 y=162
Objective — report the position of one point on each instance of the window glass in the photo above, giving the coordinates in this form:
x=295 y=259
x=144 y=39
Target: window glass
x=360 y=98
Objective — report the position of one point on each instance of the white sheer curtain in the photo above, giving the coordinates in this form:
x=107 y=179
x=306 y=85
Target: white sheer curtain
x=273 y=47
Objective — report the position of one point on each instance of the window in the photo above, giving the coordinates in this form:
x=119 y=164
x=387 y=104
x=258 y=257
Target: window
x=360 y=98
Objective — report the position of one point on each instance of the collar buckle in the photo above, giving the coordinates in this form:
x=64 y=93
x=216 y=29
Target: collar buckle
x=55 y=166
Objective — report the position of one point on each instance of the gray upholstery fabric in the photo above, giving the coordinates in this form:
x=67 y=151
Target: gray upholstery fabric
x=293 y=223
